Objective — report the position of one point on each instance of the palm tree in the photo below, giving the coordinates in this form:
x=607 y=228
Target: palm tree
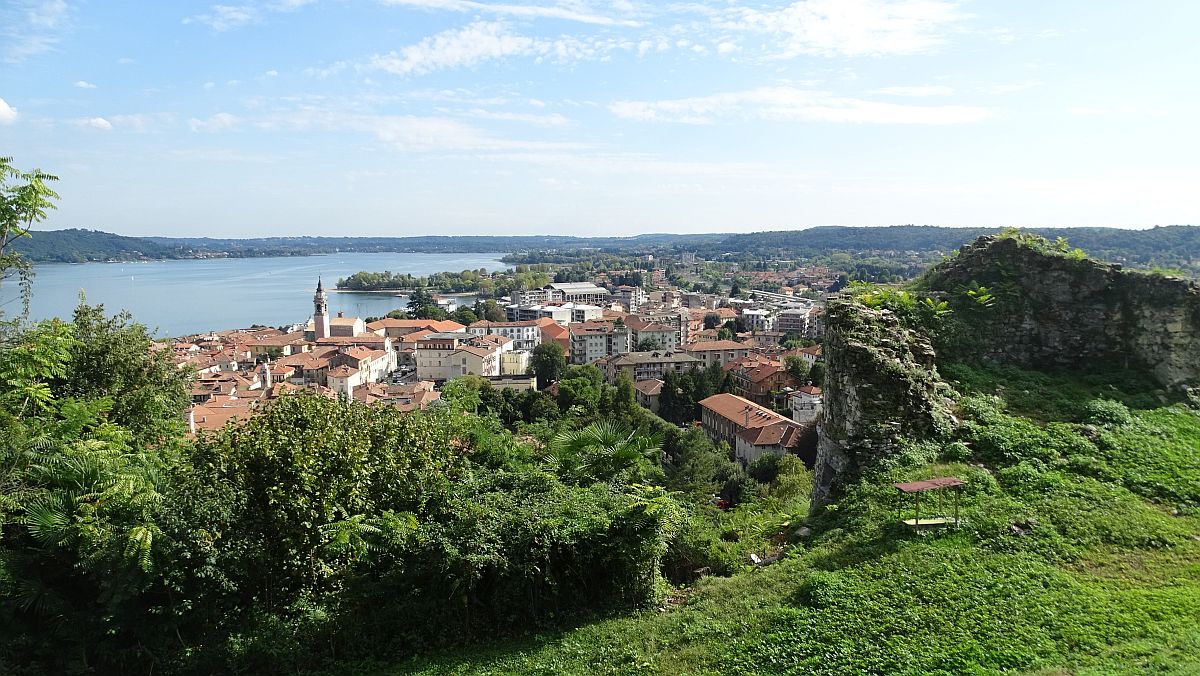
x=602 y=451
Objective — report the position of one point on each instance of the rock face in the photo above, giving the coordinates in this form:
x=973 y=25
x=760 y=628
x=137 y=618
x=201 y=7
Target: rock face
x=1052 y=310
x=880 y=385
x=1058 y=311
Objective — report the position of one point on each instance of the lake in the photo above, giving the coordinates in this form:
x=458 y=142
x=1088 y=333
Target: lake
x=190 y=296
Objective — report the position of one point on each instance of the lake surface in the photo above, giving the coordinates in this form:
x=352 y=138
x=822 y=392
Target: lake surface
x=190 y=296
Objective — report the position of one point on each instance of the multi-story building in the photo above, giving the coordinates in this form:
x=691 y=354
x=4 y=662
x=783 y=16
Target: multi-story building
x=443 y=356
x=678 y=319
x=718 y=352
x=592 y=340
x=806 y=404
x=563 y=292
x=758 y=320
x=760 y=379
x=664 y=336
x=525 y=335
x=632 y=297
x=750 y=430
x=526 y=312
x=648 y=365
x=792 y=320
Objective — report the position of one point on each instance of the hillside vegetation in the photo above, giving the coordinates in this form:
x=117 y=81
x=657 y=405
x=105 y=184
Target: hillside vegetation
x=1078 y=552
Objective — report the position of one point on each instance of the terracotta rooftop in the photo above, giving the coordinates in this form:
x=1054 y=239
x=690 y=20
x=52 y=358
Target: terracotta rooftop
x=650 y=388
x=716 y=345
x=734 y=409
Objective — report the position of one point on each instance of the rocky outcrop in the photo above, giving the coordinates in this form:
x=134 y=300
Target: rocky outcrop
x=1059 y=311
x=881 y=386
x=1052 y=310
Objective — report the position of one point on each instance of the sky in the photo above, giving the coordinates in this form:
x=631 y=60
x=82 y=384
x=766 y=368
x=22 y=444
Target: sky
x=414 y=117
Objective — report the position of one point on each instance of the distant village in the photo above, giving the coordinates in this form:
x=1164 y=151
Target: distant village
x=405 y=362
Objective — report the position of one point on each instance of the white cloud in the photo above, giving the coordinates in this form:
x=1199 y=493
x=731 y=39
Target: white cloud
x=95 y=123
x=226 y=17
x=1011 y=88
x=126 y=61
x=271 y=73
x=8 y=114
x=915 y=91
x=850 y=27
x=210 y=84
x=409 y=133
x=726 y=48
x=551 y=120
x=485 y=41
x=218 y=122
x=141 y=122
x=566 y=11
x=791 y=103
x=84 y=84
x=32 y=27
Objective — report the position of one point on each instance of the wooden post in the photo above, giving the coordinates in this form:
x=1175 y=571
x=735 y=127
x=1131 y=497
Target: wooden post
x=957 y=491
x=917 y=514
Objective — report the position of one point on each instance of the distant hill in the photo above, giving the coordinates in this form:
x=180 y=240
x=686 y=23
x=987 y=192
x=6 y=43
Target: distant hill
x=1166 y=246
x=81 y=246
x=1163 y=245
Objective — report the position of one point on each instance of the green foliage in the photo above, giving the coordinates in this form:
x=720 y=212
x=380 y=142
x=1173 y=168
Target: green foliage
x=548 y=363
x=422 y=305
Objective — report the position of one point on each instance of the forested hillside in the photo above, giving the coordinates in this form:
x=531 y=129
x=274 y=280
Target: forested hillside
x=82 y=246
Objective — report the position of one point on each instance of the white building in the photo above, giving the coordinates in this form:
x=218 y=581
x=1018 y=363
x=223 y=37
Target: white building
x=759 y=320
x=806 y=404
x=593 y=340
x=525 y=335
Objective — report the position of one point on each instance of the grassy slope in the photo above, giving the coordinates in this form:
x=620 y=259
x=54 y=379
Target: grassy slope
x=1107 y=582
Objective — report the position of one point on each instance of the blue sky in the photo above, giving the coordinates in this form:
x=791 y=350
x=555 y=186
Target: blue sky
x=407 y=117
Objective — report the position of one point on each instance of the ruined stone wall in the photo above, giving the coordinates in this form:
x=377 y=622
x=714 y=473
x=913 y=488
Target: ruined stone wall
x=1062 y=312
x=880 y=386
x=1052 y=311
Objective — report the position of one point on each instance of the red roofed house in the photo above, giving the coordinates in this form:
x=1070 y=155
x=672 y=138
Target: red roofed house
x=718 y=352
x=751 y=430
x=760 y=379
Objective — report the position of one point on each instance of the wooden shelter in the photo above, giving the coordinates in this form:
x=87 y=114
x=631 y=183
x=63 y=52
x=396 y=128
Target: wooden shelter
x=916 y=488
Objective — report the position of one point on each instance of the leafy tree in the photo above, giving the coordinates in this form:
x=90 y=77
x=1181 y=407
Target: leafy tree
x=25 y=199
x=712 y=320
x=606 y=451
x=548 y=363
x=421 y=305
x=115 y=358
x=465 y=316
x=648 y=345
x=796 y=367
x=580 y=396
x=624 y=399
x=490 y=311
x=816 y=375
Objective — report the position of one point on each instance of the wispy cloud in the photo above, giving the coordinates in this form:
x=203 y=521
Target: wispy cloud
x=551 y=120
x=791 y=103
x=95 y=123
x=226 y=17
x=8 y=114
x=484 y=41
x=1011 y=88
x=32 y=27
x=850 y=27
x=566 y=11
x=84 y=84
x=142 y=122
x=217 y=122
x=915 y=91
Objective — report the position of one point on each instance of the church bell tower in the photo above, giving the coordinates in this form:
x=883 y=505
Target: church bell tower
x=320 y=313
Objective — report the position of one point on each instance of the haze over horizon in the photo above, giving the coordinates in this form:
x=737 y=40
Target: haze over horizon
x=455 y=117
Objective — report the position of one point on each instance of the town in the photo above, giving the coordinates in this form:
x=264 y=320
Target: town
x=765 y=348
